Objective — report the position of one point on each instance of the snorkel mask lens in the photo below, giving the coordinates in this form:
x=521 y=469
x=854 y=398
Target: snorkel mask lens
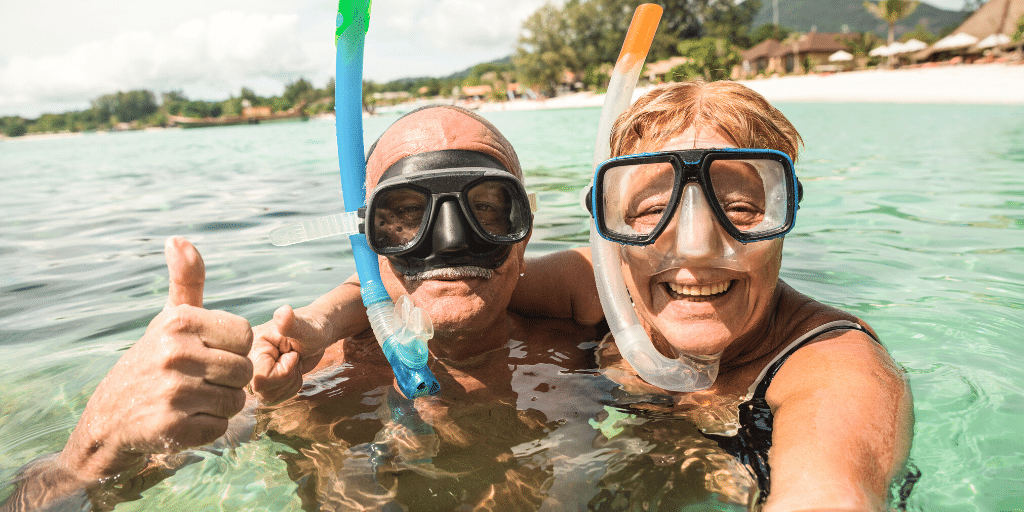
x=493 y=208
x=752 y=193
x=447 y=208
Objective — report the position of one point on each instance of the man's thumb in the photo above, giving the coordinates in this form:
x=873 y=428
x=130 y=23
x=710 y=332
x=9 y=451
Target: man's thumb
x=187 y=273
x=293 y=326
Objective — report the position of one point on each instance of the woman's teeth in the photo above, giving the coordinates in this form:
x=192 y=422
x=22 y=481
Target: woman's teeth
x=684 y=290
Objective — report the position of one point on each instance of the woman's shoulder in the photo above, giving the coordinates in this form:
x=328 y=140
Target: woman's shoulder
x=838 y=350
x=798 y=315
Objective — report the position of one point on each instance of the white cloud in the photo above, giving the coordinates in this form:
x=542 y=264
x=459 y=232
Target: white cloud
x=218 y=54
x=438 y=37
x=213 y=55
x=457 y=24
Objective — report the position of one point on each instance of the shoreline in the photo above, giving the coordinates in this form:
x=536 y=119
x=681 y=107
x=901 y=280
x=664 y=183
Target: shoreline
x=964 y=84
x=967 y=84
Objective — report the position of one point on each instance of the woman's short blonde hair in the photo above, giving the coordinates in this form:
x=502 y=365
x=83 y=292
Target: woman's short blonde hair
x=728 y=107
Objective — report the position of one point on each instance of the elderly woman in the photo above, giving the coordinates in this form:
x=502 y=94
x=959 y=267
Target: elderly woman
x=699 y=193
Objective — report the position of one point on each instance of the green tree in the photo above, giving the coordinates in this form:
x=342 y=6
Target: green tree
x=13 y=126
x=328 y=90
x=1019 y=33
x=135 y=105
x=709 y=58
x=921 y=33
x=231 y=107
x=583 y=35
x=125 y=107
x=247 y=95
x=173 y=102
x=860 y=44
x=765 y=32
x=891 y=11
x=731 y=22
x=299 y=91
x=548 y=46
x=49 y=123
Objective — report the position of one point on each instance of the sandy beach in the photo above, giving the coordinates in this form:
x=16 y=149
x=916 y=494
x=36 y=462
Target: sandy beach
x=1000 y=84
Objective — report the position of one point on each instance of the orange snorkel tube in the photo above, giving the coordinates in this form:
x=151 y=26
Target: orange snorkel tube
x=689 y=372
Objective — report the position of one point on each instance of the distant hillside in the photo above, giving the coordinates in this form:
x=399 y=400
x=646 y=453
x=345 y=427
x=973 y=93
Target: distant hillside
x=406 y=83
x=831 y=15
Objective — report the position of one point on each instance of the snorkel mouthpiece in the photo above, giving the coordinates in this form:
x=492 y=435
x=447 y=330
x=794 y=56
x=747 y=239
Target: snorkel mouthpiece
x=689 y=372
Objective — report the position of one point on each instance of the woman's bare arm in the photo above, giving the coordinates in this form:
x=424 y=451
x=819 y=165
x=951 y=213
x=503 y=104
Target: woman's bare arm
x=843 y=426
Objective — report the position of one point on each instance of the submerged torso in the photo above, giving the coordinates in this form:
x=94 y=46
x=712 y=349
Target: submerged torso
x=492 y=438
x=533 y=425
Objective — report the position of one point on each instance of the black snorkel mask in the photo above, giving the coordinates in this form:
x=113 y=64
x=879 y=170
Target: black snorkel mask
x=448 y=208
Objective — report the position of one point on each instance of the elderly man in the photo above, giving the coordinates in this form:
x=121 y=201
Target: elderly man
x=459 y=261
x=462 y=280
x=185 y=376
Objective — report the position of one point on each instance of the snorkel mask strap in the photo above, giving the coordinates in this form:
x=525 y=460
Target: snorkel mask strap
x=691 y=373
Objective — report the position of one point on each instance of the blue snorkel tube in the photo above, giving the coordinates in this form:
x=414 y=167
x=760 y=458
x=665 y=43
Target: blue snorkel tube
x=402 y=331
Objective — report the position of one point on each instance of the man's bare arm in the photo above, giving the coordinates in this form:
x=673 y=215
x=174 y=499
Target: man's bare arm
x=559 y=285
x=293 y=342
x=175 y=388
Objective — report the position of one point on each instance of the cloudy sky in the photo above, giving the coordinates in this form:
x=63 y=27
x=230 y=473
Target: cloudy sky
x=56 y=55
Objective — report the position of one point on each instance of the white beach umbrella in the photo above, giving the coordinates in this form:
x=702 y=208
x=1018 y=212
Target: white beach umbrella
x=993 y=41
x=955 y=41
x=897 y=48
x=914 y=45
x=840 y=56
x=881 y=51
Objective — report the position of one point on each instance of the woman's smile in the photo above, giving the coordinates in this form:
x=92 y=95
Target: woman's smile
x=697 y=292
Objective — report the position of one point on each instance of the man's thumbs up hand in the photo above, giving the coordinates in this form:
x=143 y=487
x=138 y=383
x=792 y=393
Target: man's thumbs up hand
x=173 y=389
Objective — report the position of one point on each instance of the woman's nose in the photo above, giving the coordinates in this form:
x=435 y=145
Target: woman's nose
x=694 y=230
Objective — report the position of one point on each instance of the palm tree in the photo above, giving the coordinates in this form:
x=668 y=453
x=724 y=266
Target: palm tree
x=891 y=11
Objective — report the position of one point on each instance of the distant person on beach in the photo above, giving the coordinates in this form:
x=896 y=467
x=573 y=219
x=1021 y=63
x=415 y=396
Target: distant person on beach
x=181 y=385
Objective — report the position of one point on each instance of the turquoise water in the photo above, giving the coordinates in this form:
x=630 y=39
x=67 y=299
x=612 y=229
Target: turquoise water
x=913 y=218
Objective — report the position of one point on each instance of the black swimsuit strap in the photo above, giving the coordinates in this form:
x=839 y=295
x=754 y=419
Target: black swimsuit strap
x=762 y=386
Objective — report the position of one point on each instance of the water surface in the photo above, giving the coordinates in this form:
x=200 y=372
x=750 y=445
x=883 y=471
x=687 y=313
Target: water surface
x=912 y=218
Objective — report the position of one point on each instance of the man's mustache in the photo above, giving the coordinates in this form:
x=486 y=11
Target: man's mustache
x=452 y=273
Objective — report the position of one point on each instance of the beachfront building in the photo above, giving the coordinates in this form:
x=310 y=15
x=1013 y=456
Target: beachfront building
x=799 y=54
x=760 y=60
x=985 y=35
x=476 y=92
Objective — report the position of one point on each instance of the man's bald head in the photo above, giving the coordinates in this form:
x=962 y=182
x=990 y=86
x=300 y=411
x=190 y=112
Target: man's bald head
x=436 y=128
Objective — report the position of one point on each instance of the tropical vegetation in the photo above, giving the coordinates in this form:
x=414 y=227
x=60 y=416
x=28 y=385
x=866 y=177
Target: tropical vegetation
x=140 y=109
x=891 y=12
